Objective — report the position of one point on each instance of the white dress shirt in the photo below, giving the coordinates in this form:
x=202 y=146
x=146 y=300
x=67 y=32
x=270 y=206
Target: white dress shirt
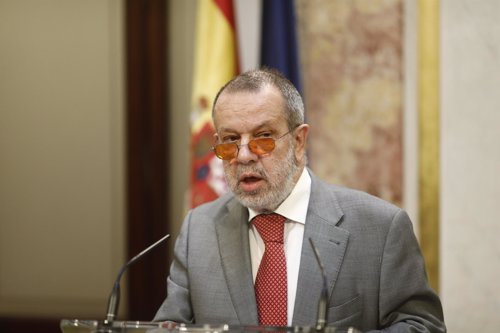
x=294 y=208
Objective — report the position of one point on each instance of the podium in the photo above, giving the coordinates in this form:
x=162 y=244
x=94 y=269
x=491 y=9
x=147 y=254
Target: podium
x=95 y=326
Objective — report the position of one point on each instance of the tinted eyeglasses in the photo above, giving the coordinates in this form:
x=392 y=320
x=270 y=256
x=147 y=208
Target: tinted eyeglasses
x=259 y=146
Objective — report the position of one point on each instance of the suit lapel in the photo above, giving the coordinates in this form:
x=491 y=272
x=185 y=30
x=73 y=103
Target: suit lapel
x=232 y=235
x=324 y=213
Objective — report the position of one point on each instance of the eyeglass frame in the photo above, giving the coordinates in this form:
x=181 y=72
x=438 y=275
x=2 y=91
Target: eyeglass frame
x=213 y=148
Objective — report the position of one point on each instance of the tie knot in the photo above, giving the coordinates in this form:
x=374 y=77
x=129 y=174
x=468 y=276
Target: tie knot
x=270 y=227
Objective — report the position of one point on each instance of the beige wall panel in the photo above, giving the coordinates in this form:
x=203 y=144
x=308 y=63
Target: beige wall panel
x=410 y=113
x=61 y=148
x=470 y=155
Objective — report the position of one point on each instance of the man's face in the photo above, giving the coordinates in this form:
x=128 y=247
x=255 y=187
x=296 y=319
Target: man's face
x=259 y=182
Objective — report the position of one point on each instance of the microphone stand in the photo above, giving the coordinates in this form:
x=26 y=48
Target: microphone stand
x=114 y=297
x=322 y=318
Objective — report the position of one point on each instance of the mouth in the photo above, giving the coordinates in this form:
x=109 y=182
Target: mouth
x=250 y=181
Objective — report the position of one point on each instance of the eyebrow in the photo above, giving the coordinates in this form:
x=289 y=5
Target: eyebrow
x=256 y=128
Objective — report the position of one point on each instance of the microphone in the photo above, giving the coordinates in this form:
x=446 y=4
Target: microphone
x=114 y=298
x=322 y=318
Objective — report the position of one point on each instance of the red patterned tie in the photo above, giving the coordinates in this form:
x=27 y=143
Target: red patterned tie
x=271 y=282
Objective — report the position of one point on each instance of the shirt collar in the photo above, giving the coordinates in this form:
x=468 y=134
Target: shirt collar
x=295 y=206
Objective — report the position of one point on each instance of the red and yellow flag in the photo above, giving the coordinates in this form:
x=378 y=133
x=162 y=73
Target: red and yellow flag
x=215 y=63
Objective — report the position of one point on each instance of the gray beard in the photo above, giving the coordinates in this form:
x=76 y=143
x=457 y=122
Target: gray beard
x=278 y=190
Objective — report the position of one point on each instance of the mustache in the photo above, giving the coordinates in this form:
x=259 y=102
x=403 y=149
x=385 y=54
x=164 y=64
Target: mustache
x=251 y=169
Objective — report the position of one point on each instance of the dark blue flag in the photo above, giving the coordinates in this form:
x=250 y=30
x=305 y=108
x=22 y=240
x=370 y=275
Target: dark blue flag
x=279 y=43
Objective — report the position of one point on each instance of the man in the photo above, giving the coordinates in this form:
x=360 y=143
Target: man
x=374 y=269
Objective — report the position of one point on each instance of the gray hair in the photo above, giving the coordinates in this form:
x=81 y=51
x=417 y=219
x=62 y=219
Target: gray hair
x=254 y=80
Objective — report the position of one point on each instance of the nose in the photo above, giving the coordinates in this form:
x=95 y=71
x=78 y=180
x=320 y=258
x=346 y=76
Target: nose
x=245 y=155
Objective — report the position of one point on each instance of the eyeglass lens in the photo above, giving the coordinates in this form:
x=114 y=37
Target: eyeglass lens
x=261 y=146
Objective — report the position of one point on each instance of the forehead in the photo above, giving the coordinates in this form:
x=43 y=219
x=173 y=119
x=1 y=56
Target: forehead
x=244 y=110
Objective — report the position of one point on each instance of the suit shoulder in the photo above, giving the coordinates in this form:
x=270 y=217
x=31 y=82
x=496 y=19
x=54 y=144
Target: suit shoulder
x=348 y=195
x=363 y=211
x=359 y=203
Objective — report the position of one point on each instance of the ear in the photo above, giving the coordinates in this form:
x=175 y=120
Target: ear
x=300 y=137
x=216 y=137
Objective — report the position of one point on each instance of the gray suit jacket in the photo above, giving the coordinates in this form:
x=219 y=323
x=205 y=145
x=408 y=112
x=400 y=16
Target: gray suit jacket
x=376 y=274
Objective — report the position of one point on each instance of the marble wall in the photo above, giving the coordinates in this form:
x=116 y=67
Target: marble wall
x=352 y=71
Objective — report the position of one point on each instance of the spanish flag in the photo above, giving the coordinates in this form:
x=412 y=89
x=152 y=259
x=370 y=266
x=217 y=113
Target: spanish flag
x=215 y=63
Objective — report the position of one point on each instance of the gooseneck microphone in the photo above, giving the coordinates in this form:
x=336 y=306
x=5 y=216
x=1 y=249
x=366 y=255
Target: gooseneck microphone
x=322 y=318
x=114 y=298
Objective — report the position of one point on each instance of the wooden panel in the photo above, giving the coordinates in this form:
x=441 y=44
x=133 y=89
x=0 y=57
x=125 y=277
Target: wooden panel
x=39 y=325
x=147 y=195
